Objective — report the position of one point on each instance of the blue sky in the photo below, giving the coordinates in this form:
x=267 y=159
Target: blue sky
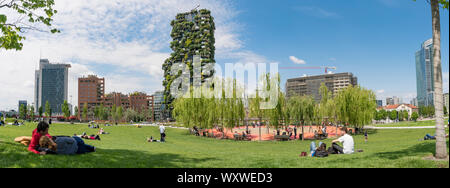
x=127 y=41
x=374 y=39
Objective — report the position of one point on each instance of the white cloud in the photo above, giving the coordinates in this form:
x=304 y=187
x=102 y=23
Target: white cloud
x=316 y=12
x=381 y=91
x=126 y=41
x=296 y=60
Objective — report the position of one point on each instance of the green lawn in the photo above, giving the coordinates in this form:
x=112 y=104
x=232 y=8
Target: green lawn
x=126 y=147
x=411 y=124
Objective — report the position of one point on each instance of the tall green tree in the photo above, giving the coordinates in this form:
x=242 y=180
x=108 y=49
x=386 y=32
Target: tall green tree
x=37 y=13
x=119 y=113
x=40 y=112
x=66 y=110
x=48 y=109
x=85 y=111
x=31 y=112
x=76 y=111
x=23 y=111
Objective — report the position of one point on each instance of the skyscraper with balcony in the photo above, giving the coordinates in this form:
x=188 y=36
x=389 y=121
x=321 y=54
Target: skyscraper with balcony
x=425 y=74
x=51 y=85
x=193 y=35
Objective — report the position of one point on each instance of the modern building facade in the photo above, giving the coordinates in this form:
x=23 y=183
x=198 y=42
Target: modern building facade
x=22 y=102
x=159 y=104
x=425 y=74
x=193 y=35
x=309 y=85
x=91 y=91
x=414 y=102
x=51 y=84
x=379 y=103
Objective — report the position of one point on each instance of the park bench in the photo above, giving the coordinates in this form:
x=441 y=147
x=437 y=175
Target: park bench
x=282 y=138
x=238 y=137
x=241 y=137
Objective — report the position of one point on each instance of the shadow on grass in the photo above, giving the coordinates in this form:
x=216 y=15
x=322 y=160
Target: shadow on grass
x=17 y=156
x=419 y=149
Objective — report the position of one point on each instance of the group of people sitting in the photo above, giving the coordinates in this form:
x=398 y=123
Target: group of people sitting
x=42 y=143
x=94 y=126
x=347 y=148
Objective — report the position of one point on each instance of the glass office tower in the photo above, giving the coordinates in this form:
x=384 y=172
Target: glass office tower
x=425 y=74
x=51 y=85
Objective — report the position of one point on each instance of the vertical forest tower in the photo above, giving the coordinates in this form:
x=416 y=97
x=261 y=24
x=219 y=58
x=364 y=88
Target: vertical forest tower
x=193 y=35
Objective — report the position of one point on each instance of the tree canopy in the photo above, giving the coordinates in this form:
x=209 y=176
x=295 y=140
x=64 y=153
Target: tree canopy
x=32 y=14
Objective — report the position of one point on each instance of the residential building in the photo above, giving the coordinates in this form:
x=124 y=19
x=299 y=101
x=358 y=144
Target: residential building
x=193 y=35
x=400 y=107
x=310 y=85
x=390 y=101
x=91 y=91
x=24 y=103
x=51 y=85
x=397 y=100
x=425 y=74
x=137 y=101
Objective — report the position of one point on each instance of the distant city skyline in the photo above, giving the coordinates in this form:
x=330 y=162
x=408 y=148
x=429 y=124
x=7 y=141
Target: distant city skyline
x=374 y=40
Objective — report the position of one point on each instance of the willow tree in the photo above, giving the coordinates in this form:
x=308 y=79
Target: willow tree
x=355 y=106
x=277 y=114
x=255 y=109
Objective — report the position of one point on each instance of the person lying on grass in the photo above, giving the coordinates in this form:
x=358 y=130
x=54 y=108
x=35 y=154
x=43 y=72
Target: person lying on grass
x=347 y=142
x=151 y=139
x=429 y=137
x=87 y=137
x=41 y=130
x=64 y=145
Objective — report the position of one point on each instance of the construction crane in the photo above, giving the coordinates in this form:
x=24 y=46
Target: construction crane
x=322 y=67
x=327 y=68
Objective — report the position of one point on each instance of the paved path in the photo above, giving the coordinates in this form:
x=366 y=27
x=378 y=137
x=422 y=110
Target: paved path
x=416 y=127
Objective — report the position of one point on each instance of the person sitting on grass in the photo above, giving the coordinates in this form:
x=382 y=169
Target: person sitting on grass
x=347 y=142
x=321 y=151
x=41 y=130
x=101 y=131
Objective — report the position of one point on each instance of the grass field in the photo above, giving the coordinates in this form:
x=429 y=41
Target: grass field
x=412 y=123
x=126 y=147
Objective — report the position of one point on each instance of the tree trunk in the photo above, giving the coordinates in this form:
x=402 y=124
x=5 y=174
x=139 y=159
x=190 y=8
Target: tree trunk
x=441 y=145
